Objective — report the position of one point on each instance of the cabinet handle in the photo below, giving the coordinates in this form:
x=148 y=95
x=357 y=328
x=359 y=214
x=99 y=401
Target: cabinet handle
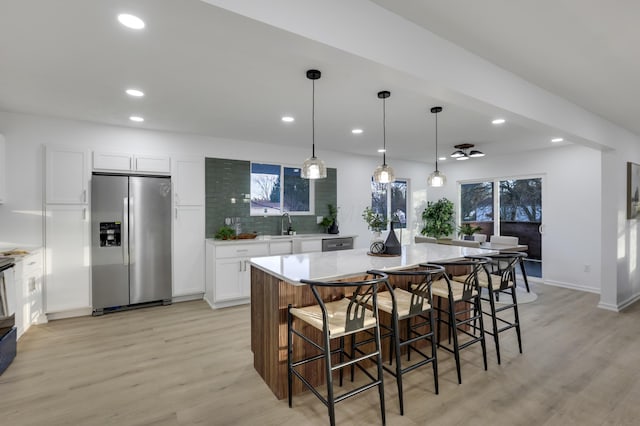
x=84 y=195
x=84 y=213
x=125 y=231
x=176 y=212
x=240 y=266
x=241 y=250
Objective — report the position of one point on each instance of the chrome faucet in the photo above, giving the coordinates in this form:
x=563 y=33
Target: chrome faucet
x=282 y=228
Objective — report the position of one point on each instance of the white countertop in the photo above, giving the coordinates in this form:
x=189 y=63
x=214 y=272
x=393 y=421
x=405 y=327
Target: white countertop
x=348 y=263
x=276 y=238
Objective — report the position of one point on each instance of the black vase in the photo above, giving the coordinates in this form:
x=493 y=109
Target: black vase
x=392 y=245
x=333 y=228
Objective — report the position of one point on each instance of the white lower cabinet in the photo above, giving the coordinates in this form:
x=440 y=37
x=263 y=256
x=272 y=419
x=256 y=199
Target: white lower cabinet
x=28 y=292
x=67 y=245
x=188 y=251
x=307 y=245
x=229 y=273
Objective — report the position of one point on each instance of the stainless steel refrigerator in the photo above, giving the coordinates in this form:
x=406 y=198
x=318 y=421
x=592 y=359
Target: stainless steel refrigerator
x=130 y=241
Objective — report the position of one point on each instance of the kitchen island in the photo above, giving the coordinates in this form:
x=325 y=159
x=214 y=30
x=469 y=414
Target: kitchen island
x=275 y=283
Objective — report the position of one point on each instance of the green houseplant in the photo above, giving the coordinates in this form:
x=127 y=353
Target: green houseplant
x=466 y=229
x=438 y=218
x=225 y=233
x=375 y=221
x=330 y=221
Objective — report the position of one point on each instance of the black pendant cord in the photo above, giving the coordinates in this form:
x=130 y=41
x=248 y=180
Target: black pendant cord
x=436 y=142
x=384 y=132
x=313 y=119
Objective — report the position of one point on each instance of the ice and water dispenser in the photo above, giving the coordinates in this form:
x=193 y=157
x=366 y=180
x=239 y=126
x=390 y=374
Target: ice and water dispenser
x=110 y=234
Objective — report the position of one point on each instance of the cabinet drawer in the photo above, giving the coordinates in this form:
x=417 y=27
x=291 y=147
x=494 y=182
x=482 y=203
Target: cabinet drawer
x=281 y=247
x=242 y=250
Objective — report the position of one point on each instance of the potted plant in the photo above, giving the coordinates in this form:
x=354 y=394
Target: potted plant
x=225 y=233
x=330 y=222
x=466 y=230
x=438 y=218
x=375 y=221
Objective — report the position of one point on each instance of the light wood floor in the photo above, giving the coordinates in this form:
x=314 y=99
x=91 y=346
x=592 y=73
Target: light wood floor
x=187 y=364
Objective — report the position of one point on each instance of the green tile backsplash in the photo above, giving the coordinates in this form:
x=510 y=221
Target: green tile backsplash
x=230 y=180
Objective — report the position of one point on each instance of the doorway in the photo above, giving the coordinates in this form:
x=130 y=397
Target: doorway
x=518 y=202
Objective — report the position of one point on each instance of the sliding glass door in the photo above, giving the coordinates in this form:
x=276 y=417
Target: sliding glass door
x=518 y=202
x=521 y=216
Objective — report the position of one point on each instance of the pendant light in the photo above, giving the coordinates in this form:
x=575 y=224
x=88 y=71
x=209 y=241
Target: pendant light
x=384 y=173
x=436 y=179
x=313 y=168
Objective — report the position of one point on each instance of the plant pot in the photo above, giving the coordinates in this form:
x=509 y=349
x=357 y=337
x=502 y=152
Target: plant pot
x=333 y=229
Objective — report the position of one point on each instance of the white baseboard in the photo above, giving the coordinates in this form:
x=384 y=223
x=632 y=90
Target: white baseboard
x=187 y=297
x=608 y=307
x=571 y=286
x=228 y=304
x=630 y=301
x=82 y=312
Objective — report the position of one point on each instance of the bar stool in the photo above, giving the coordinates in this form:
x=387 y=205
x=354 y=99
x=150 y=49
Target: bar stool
x=460 y=319
x=414 y=306
x=499 y=277
x=356 y=310
x=521 y=259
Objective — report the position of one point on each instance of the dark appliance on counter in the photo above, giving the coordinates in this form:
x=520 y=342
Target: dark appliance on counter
x=130 y=241
x=8 y=332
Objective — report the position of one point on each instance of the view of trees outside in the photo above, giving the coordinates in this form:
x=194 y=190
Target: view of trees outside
x=388 y=203
x=265 y=189
x=267 y=194
x=296 y=191
x=476 y=202
x=399 y=202
x=379 y=198
x=521 y=200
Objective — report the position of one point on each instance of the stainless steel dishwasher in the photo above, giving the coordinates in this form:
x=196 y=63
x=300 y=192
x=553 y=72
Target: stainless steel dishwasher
x=334 y=244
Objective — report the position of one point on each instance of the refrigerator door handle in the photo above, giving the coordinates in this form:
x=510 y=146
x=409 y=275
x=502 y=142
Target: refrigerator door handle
x=125 y=231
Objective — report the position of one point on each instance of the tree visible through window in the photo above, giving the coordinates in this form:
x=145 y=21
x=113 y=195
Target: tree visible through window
x=277 y=189
x=390 y=200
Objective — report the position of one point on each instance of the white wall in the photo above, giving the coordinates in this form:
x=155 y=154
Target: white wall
x=570 y=205
x=21 y=216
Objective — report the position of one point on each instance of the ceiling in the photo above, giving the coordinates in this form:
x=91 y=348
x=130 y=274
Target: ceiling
x=208 y=71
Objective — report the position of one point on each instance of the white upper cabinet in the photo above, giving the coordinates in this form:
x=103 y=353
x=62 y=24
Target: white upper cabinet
x=188 y=178
x=66 y=175
x=112 y=161
x=3 y=172
x=125 y=162
x=152 y=163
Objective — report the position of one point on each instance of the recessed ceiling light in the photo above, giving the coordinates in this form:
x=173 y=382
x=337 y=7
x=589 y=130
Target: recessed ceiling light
x=442 y=158
x=382 y=150
x=356 y=131
x=498 y=121
x=288 y=119
x=135 y=93
x=136 y=118
x=131 y=21
x=557 y=140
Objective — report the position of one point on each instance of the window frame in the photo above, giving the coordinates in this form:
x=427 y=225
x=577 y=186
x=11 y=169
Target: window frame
x=388 y=191
x=312 y=192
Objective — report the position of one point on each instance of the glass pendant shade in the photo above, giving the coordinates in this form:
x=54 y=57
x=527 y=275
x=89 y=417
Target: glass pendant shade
x=384 y=174
x=313 y=168
x=474 y=153
x=436 y=179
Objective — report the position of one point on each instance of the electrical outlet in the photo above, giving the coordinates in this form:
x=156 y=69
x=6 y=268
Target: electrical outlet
x=587 y=268
x=318 y=219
